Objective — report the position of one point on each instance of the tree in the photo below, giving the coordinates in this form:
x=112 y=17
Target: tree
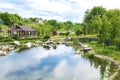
x=52 y=23
x=68 y=25
x=9 y=19
x=62 y=26
x=114 y=18
x=77 y=26
x=104 y=23
x=16 y=37
x=90 y=16
x=104 y=31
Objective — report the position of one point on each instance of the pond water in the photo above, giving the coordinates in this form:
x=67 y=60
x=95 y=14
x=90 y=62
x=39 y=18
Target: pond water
x=54 y=64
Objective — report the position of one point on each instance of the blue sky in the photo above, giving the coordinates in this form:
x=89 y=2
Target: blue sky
x=61 y=10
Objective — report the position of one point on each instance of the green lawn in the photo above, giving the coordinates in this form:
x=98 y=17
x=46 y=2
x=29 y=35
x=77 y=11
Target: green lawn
x=105 y=50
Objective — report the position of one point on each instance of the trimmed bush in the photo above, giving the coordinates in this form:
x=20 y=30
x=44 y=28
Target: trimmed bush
x=16 y=37
x=78 y=32
x=67 y=33
x=46 y=37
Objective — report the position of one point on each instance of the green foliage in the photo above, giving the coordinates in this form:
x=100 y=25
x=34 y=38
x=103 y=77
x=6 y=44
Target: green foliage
x=45 y=28
x=98 y=20
x=65 y=33
x=104 y=29
x=117 y=43
x=4 y=28
x=95 y=11
x=78 y=32
x=68 y=24
x=105 y=50
x=10 y=19
x=52 y=23
x=104 y=23
x=16 y=37
x=1 y=37
x=91 y=56
x=90 y=23
x=77 y=26
x=5 y=39
x=46 y=37
x=75 y=44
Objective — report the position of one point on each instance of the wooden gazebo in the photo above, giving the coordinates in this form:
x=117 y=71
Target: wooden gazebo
x=22 y=31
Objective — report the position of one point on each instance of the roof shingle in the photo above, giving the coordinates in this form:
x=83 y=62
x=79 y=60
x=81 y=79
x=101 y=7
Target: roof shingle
x=26 y=28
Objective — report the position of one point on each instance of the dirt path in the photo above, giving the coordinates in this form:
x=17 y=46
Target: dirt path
x=111 y=60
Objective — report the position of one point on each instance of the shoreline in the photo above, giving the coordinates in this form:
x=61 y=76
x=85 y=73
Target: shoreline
x=116 y=62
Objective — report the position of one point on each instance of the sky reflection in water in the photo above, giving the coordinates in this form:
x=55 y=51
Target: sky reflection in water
x=41 y=64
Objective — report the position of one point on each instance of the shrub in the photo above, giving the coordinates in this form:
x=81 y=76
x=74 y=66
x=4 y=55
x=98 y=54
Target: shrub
x=107 y=42
x=1 y=37
x=16 y=37
x=46 y=37
x=7 y=39
x=67 y=33
x=78 y=32
x=91 y=56
x=117 y=43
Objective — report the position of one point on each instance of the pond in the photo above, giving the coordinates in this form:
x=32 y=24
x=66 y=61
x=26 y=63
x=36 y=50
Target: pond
x=52 y=64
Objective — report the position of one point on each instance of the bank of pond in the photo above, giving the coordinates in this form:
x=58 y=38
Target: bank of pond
x=53 y=61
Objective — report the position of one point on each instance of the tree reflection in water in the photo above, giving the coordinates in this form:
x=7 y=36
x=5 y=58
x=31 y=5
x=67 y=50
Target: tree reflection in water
x=107 y=68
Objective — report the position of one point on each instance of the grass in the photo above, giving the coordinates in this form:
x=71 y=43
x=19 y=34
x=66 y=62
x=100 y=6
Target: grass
x=75 y=36
x=105 y=50
x=89 y=36
x=24 y=40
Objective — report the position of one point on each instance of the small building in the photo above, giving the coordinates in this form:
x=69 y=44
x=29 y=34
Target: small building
x=22 y=31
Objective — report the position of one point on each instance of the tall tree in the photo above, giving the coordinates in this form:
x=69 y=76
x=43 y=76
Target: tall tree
x=9 y=18
x=68 y=24
x=90 y=15
x=114 y=17
x=53 y=23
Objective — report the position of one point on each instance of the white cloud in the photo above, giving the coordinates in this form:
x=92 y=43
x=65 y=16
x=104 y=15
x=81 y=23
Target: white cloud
x=61 y=10
x=54 y=6
x=109 y=4
x=7 y=5
x=76 y=71
x=61 y=64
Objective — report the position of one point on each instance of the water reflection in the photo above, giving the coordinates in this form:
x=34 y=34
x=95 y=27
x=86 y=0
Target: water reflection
x=53 y=64
x=106 y=68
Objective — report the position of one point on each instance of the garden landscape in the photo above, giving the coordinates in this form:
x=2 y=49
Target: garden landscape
x=37 y=48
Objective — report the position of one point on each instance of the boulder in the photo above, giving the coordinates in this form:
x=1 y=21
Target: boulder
x=5 y=48
x=2 y=53
x=86 y=49
x=29 y=44
x=77 y=52
x=11 y=48
x=54 y=46
x=17 y=43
